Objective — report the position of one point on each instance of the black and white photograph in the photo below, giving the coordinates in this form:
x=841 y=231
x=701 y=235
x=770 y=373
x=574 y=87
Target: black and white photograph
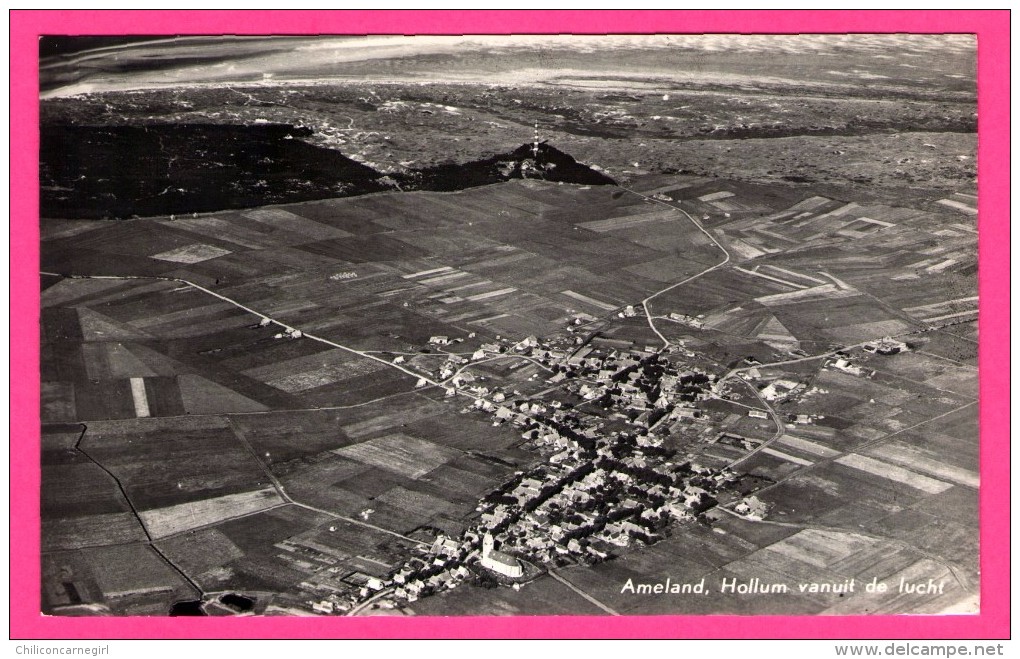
x=509 y=325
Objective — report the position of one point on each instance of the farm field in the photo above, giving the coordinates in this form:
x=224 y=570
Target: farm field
x=120 y=579
x=279 y=550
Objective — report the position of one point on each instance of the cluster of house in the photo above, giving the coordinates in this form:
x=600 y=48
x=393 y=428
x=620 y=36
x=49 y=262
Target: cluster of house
x=886 y=346
x=581 y=509
x=684 y=319
x=799 y=419
x=637 y=384
x=577 y=509
x=752 y=508
x=778 y=390
x=843 y=363
x=444 y=565
x=602 y=488
x=330 y=591
x=441 y=568
x=607 y=483
x=781 y=389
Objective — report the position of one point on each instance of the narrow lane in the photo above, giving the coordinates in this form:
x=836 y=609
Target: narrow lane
x=644 y=302
x=555 y=575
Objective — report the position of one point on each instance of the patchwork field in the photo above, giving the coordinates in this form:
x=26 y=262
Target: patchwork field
x=256 y=402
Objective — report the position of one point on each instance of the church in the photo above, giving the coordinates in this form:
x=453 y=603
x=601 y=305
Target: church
x=499 y=562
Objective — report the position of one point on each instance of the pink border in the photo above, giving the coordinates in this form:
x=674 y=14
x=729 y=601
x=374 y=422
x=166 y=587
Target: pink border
x=992 y=28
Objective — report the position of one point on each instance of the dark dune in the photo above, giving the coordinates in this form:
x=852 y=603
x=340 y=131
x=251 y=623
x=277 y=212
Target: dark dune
x=121 y=171
x=550 y=165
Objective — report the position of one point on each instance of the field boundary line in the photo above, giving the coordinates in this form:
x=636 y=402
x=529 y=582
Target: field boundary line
x=134 y=511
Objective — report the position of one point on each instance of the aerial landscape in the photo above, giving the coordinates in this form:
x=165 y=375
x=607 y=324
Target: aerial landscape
x=523 y=325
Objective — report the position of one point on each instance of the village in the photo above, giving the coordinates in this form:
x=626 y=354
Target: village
x=611 y=438
x=608 y=482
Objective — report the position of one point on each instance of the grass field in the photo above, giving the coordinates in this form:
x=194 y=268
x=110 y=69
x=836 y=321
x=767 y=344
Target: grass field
x=162 y=522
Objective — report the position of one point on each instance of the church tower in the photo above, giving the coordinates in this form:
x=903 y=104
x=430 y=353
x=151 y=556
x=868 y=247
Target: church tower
x=487 y=544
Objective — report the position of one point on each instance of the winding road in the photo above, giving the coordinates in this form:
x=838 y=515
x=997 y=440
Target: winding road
x=726 y=259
